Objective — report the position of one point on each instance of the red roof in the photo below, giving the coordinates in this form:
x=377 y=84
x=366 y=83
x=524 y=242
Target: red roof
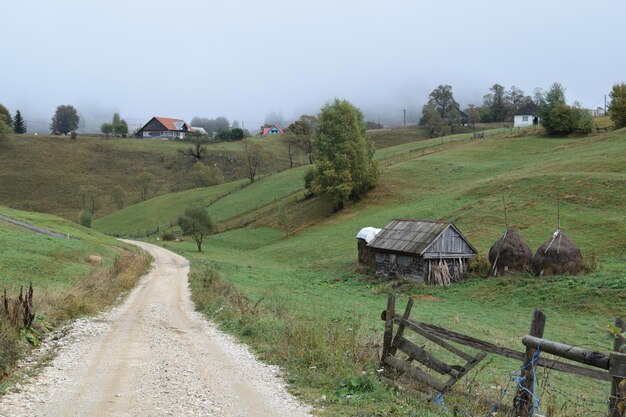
x=266 y=130
x=173 y=124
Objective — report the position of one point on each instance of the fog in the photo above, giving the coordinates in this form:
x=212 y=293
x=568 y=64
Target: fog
x=245 y=59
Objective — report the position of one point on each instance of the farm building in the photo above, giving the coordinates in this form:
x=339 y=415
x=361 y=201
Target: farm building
x=428 y=251
x=365 y=236
x=271 y=130
x=164 y=128
x=527 y=115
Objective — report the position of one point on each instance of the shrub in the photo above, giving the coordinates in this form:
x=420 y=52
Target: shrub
x=168 y=236
x=85 y=217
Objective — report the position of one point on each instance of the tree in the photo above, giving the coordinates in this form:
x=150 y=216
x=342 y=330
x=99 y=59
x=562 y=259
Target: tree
x=442 y=101
x=252 y=155
x=19 y=124
x=90 y=196
x=344 y=165
x=212 y=126
x=432 y=120
x=65 y=120
x=5 y=132
x=5 y=116
x=473 y=115
x=302 y=133
x=146 y=184
x=118 y=195
x=496 y=102
x=121 y=128
x=617 y=108
x=195 y=222
x=236 y=134
x=515 y=99
x=370 y=125
x=197 y=151
x=204 y=176
x=106 y=128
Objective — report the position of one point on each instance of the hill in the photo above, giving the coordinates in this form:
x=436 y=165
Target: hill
x=310 y=279
x=70 y=276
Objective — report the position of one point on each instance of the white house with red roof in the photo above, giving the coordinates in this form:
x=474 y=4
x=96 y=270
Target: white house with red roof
x=165 y=128
x=271 y=130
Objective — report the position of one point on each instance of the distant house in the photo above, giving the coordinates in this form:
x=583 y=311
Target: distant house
x=164 y=128
x=199 y=130
x=427 y=251
x=464 y=117
x=271 y=130
x=527 y=115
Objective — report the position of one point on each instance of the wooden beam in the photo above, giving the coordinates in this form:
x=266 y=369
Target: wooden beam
x=618 y=384
x=415 y=373
x=428 y=335
x=400 y=332
x=468 y=367
x=388 y=335
x=419 y=354
x=588 y=357
x=524 y=401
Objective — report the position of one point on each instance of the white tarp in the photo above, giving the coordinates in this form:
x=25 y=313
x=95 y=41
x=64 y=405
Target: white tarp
x=368 y=233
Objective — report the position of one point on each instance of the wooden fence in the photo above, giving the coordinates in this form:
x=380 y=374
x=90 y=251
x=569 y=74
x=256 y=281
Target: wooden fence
x=596 y=364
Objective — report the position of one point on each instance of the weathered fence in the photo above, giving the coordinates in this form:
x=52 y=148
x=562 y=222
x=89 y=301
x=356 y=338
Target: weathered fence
x=600 y=366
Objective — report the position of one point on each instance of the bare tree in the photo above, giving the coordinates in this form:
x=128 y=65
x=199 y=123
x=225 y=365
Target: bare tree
x=197 y=151
x=252 y=160
x=303 y=134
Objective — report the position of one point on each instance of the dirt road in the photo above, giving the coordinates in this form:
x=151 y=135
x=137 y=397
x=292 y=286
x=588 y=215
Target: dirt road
x=152 y=356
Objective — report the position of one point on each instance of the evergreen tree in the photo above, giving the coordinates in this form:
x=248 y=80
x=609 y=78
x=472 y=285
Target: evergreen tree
x=19 y=124
x=344 y=166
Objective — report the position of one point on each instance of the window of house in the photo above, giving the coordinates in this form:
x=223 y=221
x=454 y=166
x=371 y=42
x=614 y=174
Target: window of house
x=524 y=118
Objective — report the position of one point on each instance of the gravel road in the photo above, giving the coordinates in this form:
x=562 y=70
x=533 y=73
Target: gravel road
x=151 y=356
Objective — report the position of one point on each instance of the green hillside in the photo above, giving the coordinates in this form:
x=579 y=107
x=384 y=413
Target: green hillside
x=311 y=279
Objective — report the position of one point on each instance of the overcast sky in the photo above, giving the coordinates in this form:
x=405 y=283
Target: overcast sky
x=243 y=59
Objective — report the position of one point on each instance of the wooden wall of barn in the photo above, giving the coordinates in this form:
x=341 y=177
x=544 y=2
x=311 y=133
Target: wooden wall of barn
x=449 y=244
x=401 y=265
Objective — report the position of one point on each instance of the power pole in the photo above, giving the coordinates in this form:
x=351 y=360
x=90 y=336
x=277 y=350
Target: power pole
x=404 y=111
x=605 y=105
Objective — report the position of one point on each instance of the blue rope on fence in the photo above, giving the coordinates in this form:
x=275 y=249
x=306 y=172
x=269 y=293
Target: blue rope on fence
x=518 y=379
x=438 y=400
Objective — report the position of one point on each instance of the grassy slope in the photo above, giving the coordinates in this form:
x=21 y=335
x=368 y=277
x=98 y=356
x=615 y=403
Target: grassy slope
x=313 y=274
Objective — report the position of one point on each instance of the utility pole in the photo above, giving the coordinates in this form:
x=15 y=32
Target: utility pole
x=404 y=111
x=605 y=105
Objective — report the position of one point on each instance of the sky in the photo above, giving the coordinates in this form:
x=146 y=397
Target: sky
x=244 y=59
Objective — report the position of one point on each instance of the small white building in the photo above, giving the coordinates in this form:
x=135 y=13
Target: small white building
x=527 y=115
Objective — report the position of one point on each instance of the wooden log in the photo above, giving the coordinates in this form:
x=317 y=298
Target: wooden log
x=400 y=332
x=428 y=335
x=523 y=401
x=388 y=335
x=419 y=354
x=617 y=400
x=514 y=354
x=415 y=373
x=588 y=357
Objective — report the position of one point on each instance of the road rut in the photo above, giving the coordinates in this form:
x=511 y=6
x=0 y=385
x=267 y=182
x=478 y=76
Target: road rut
x=152 y=356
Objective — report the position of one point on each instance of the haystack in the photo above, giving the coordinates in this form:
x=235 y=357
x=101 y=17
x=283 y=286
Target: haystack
x=557 y=256
x=509 y=253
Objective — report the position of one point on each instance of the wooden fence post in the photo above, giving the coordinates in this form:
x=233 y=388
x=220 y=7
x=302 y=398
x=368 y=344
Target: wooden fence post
x=407 y=312
x=388 y=335
x=523 y=401
x=617 y=401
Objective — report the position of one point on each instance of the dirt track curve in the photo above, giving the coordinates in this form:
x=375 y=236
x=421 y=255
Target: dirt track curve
x=152 y=356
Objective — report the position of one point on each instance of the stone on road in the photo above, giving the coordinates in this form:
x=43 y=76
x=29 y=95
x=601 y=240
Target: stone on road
x=152 y=356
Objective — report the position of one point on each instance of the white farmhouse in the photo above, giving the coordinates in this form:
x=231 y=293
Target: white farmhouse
x=527 y=115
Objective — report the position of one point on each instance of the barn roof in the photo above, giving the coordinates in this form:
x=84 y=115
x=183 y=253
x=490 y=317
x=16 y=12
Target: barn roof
x=412 y=236
x=173 y=124
x=267 y=129
x=528 y=108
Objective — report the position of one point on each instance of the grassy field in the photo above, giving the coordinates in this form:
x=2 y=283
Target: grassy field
x=314 y=294
x=66 y=282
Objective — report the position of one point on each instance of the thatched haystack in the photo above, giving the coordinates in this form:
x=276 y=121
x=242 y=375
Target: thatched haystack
x=557 y=256
x=509 y=253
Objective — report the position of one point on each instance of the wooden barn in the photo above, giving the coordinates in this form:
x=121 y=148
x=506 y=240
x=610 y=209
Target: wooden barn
x=365 y=236
x=426 y=251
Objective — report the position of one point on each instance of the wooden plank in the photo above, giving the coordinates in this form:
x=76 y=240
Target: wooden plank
x=419 y=354
x=586 y=356
x=400 y=332
x=524 y=401
x=428 y=335
x=388 y=335
x=514 y=354
x=415 y=373
x=468 y=367
x=617 y=400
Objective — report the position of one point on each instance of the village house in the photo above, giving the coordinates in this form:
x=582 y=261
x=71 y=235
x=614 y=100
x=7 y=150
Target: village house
x=164 y=128
x=527 y=115
x=271 y=130
x=434 y=252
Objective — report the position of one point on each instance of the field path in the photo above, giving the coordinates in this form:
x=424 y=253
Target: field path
x=152 y=356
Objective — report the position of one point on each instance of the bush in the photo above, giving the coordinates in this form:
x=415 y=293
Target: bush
x=168 y=236
x=85 y=217
x=9 y=346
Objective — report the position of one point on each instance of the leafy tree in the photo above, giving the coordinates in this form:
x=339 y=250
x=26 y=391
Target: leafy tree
x=252 y=155
x=195 y=222
x=85 y=218
x=90 y=196
x=19 y=124
x=223 y=135
x=369 y=125
x=515 y=99
x=146 y=183
x=302 y=134
x=617 y=108
x=237 y=134
x=5 y=116
x=118 y=194
x=106 y=128
x=442 y=101
x=204 y=176
x=473 y=115
x=65 y=120
x=496 y=102
x=344 y=166
x=116 y=119
x=212 y=126
x=5 y=132
x=121 y=128
x=431 y=118
x=198 y=150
